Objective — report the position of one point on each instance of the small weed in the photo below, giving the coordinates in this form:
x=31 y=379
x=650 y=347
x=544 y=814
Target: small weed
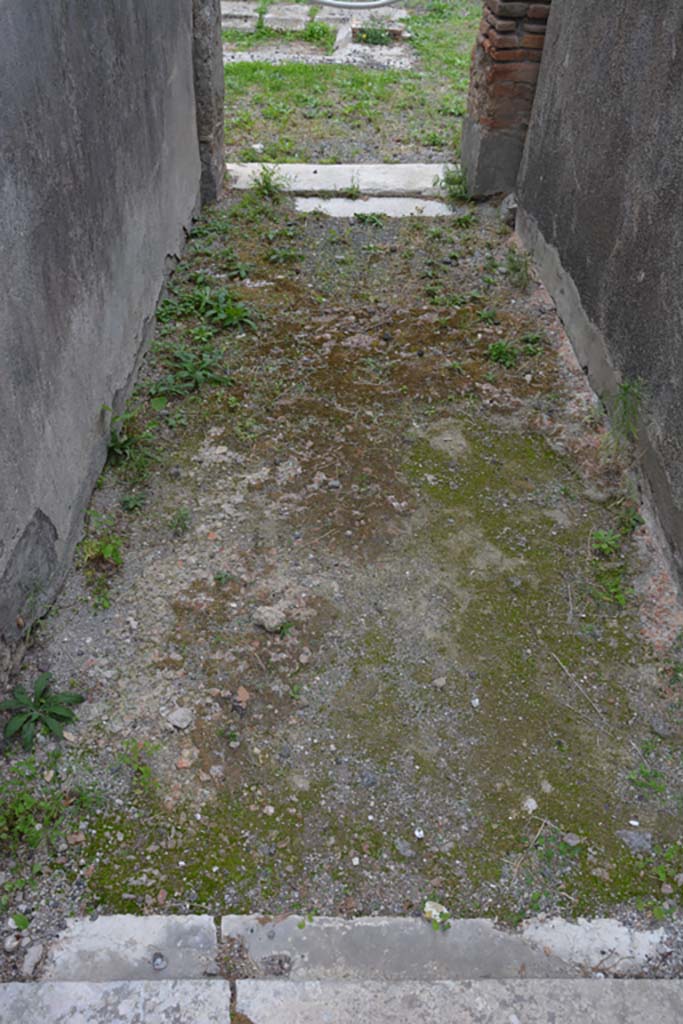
x=133 y=502
x=131 y=444
x=216 y=306
x=611 y=583
x=320 y=34
x=504 y=353
x=136 y=754
x=34 y=810
x=532 y=344
x=375 y=220
x=518 y=268
x=629 y=520
x=222 y=578
x=285 y=629
x=102 y=546
x=179 y=522
x=189 y=370
x=374 y=33
x=648 y=778
x=270 y=184
x=624 y=408
x=487 y=316
x=606 y=543
x=41 y=709
x=454 y=186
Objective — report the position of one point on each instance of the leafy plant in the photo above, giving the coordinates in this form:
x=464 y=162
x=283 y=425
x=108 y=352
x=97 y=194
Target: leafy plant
x=189 y=370
x=612 y=588
x=375 y=220
x=270 y=184
x=133 y=502
x=454 y=186
x=504 y=353
x=624 y=408
x=374 y=33
x=131 y=444
x=180 y=522
x=487 y=316
x=648 y=778
x=606 y=543
x=217 y=306
x=629 y=520
x=40 y=709
x=532 y=344
x=517 y=268
x=101 y=545
x=136 y=755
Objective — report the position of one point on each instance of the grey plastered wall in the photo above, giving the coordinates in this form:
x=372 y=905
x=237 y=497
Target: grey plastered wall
x=99 y=180
x=601 y=206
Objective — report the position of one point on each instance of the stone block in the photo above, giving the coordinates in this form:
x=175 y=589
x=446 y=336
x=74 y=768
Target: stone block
x=124 y=947
x=490 y=157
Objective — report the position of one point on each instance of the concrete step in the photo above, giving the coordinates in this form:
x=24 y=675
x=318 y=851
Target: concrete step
x=402 y=949
x=462 y=1002
x=123 y=947
x=395 y=180
x=116 y=1002
x=384 y=206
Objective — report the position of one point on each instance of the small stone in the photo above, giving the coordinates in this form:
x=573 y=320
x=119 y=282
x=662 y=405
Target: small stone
x=475 y=702
x=571 y=839
x=667 y=889
x=75 y=838
x=529 y=805
x=70 y=737
x=33 y=957
x=404 y=848
x=269 y=810
x=181 y=718
x=355 y=861
x=162 y=896
x=419 y=833
x=661 y=727
x=435 y=911
x=508 y=210
x=334 y=485
x=12 y=942
x=271 y=618
x=679 y=880
x=440 y=682
x=637 y=842
x=159 y=962
x=305 y=656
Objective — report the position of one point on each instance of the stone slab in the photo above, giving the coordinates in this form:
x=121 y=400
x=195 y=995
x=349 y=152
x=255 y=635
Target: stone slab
x=393 y=58
x=598 y=944
x=286 y=17
x=466 y=1002
x=370 y=179
x=391 y=948
x=122 y=947
x=131 y=1002
x=385 y=206
x=239 y=15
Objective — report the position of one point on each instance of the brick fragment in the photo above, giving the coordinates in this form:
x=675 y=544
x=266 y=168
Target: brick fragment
x=537 y=27
x=506 y=9
x=529 y=42
x=503 y=42
x=500 y=24
x=513 y=72
x=539 y=11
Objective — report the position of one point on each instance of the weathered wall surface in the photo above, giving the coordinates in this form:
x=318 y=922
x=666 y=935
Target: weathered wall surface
x=601 y=205
x=99 y=177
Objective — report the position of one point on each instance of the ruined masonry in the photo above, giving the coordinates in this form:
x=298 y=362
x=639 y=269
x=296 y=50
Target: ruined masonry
x=505 y=65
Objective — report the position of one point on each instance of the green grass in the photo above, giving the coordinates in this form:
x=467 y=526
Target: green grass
x=331 y=113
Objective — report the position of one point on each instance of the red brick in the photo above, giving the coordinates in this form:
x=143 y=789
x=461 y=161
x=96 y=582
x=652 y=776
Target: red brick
x=537 y=27
x=505 y=9
x=529 y=42
x=526 y=72
x=500 y=24
x=503 y=42
x=504 y=55
x=539 y=11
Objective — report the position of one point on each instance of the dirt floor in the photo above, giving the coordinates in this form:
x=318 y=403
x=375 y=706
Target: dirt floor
x=366 y=611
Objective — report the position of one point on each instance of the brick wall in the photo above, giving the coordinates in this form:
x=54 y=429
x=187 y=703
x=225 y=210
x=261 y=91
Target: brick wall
x=505 y=66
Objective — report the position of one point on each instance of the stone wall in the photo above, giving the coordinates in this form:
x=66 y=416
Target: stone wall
x=505 y=67
x=601 y=206
x=99 y=181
